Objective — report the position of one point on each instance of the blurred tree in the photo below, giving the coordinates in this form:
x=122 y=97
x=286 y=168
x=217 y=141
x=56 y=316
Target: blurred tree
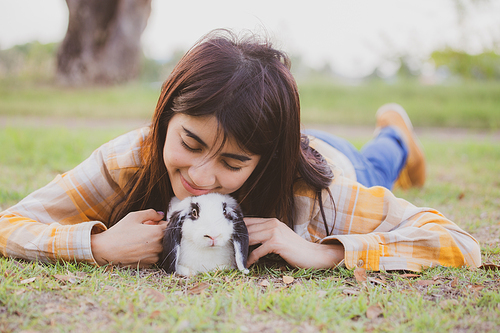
x=479 y=66
x=32 y=62
x=102 y=44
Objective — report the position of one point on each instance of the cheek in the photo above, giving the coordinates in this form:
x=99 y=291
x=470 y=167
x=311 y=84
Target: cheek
x=234 y=180
x=173 y=157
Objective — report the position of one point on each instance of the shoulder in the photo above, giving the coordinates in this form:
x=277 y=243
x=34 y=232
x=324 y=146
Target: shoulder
x=120 y=158
x=125 y=150
x=335 y=158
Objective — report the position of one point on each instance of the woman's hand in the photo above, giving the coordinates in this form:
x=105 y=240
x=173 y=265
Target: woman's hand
x=277 y=237
x=134 y=240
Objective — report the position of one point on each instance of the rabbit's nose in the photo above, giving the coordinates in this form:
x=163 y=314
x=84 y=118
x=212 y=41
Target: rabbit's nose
x=212 y=239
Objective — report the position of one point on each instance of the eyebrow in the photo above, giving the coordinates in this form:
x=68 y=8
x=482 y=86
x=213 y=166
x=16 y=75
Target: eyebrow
x=242 y=158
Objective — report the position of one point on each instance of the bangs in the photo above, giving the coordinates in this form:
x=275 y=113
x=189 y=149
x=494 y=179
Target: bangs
x=247 y=86
x=240 y=91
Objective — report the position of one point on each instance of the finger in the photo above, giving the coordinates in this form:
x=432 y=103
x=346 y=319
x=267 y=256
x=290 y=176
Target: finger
x=258 y=253
x=258 y=237
x=160 y=223
x=260 y=233
x=149 y=215
x=254 y=220
x=260 y=227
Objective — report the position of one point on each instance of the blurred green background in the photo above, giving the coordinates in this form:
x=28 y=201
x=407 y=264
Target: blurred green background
x=463 y=91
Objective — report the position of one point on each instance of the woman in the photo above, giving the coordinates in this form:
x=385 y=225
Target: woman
x=228 y=121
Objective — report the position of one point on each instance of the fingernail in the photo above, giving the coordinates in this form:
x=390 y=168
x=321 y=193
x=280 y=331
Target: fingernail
x=161 y=213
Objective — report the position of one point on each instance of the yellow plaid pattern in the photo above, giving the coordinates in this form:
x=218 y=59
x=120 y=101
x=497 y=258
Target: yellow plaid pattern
x=378 y=230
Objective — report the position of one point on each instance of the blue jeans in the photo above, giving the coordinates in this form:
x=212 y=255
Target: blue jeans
x=379 y=162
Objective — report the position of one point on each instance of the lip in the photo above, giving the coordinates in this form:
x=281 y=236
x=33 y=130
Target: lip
x=191 y=189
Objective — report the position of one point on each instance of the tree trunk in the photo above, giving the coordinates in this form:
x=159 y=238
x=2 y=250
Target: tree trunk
x=102 y=44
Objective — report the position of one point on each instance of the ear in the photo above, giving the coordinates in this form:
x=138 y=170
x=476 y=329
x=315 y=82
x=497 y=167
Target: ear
x=171 y=242
x=240 y=242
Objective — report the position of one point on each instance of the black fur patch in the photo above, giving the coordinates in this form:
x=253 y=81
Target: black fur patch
x=195 y=211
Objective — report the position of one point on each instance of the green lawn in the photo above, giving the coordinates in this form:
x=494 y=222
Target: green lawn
x=463 y=184
x=471 y=104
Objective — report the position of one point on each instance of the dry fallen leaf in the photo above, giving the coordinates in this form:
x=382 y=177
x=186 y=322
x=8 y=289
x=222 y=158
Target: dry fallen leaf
x=109 y=288
x=454 y=283
x=81 y=275
x=18 y=264
x=409 y=275
x=65 y=278
x=26 y=281
x=155 y=294
x=264 y=283
x=360 y=274
x=427 y=282
x=374 y=311
x=287 y=279
x=350 y=291
x=489 y=266
x=377 y=281
x=198 y=289
x=154 y=314
x=475 y=287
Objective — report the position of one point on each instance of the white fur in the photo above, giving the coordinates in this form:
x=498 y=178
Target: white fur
x=206 y=241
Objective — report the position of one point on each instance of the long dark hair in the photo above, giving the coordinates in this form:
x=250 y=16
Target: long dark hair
x=247 y=85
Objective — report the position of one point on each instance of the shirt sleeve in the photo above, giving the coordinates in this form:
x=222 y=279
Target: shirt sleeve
x=382 y=232
x=56 y=221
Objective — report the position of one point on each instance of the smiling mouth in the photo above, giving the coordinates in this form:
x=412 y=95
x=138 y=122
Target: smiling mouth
x=193 y=190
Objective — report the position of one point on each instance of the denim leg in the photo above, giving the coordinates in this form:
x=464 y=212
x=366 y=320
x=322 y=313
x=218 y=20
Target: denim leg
x=379 y=162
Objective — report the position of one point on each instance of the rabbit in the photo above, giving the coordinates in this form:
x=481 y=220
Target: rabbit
x=204 y=233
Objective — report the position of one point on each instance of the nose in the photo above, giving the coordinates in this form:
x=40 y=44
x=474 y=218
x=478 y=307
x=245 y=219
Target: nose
x=203 y=174
x=212 y=239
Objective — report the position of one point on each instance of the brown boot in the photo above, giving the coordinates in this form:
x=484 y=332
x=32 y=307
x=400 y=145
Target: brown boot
x=413 y=173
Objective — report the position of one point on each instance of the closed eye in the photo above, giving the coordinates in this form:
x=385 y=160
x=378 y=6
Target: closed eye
x=189 y=148
x=230 y=167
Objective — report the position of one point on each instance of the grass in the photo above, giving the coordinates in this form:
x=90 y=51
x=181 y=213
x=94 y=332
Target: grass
x=70 y=297
x=462 y=183
x=130 y=101
x=31 y=157
x=470 y=104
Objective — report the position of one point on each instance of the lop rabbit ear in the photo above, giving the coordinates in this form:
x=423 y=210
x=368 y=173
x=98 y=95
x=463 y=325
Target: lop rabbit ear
x=171 y=242
x=240 y=242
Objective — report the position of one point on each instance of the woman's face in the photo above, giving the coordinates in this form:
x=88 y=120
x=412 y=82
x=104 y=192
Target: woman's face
x=193 y=168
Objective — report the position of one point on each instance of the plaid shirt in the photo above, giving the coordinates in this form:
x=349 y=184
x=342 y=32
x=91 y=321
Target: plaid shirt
x=378 y=230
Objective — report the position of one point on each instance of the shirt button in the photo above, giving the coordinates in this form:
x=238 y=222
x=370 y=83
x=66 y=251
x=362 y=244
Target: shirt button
x=360 y=263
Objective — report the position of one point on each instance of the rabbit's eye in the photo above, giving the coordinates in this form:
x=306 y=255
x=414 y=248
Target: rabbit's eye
x=195 y=211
